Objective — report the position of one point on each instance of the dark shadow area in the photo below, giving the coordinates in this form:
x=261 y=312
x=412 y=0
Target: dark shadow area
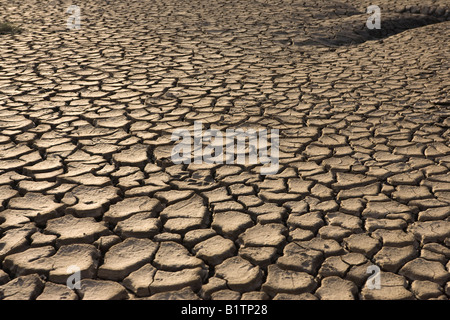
x=353 y=30
x=8 y=28
x=391 y=27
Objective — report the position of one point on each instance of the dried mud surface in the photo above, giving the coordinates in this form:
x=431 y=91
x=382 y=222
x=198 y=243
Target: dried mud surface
x=86 y=177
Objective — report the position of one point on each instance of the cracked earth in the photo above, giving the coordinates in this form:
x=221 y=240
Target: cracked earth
x=86 y=177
